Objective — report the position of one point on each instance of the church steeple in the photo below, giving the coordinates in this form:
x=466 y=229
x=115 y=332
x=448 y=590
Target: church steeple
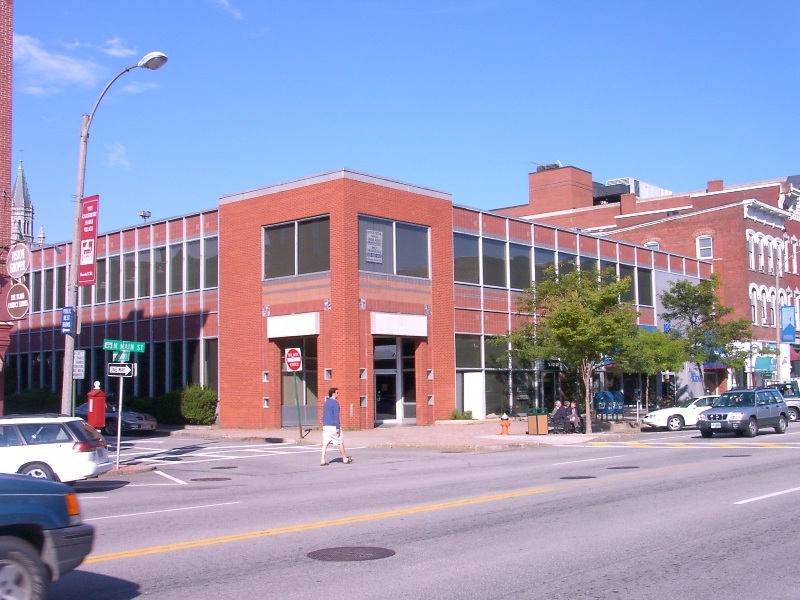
x=21 y=210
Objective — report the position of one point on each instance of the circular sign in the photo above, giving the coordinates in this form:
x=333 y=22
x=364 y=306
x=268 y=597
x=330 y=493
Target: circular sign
x=294 y=360
x=18 y=261
x=18 y=301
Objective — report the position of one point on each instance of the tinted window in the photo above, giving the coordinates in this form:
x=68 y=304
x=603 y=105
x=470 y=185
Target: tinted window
x=83 y=431
x=44 y=433
x=8 y=436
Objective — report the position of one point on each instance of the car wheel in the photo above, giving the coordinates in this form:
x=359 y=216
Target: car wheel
x=706 y=434
x=22 y=574
x=675 y=423
x=752 y=428
x=781 y=426
x=794 y=413
x=38 y=471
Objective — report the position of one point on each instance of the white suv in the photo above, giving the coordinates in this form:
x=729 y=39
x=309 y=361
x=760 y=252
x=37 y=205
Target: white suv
x=53 y=447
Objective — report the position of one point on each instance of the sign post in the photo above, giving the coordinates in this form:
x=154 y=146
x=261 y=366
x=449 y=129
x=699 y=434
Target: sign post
x=121 y=370
x=294 y=363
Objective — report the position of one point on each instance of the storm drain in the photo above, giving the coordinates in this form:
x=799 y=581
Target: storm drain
x=621 y=468
x=227 y=467
x=579 y=477
x=351 y=553
x=211 y=479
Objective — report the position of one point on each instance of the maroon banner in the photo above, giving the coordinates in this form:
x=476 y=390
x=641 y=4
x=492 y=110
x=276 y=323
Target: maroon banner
x=87 y=272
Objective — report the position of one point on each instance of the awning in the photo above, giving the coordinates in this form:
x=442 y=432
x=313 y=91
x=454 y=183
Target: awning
x=793 y=354
x=765 y=364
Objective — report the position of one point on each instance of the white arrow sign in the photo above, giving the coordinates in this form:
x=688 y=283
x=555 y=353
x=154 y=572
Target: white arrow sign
x=120 y=370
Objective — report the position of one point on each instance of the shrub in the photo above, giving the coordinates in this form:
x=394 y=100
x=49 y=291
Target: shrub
x=199 y=405
x=32 y=401
x=458 y=415
x=167 y=409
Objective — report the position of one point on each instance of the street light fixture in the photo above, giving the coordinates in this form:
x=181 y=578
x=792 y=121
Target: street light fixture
x=152 y=61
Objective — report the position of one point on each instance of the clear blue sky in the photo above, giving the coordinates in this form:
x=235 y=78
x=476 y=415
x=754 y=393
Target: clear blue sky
x=462 y=96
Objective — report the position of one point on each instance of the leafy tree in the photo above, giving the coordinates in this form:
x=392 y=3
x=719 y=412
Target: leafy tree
x=651 y=352
x=705 y=325
x=576 y=317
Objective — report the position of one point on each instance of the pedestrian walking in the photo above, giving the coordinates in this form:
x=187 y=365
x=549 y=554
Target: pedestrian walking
x=332 y=427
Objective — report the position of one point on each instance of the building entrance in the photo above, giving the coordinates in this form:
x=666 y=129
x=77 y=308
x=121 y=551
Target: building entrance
x=394 y=391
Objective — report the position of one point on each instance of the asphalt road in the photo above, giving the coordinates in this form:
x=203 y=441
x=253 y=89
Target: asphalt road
x=661 y=516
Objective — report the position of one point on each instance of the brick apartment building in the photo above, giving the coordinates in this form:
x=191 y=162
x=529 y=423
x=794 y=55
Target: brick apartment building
x=750 y=232
x=390 y=291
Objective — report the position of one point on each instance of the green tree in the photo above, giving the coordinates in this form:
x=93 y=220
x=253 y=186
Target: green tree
x=705 y=325
x=576 y=317
x=651 y=352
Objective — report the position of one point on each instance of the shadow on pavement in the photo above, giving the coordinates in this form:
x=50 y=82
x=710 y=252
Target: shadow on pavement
x=92 y=586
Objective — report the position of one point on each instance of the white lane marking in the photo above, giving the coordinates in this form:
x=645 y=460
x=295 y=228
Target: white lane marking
x=155 y=512
x=572 y=462
x=175 y=479
x=766 y=496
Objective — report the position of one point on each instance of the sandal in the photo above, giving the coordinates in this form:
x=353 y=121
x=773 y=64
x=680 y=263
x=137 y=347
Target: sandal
x=323 y=464
x=348 y=460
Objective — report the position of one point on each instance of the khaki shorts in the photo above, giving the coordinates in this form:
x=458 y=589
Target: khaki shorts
x=330 y=436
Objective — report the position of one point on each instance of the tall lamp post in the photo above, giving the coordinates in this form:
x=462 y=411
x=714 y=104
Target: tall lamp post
x=152 y=61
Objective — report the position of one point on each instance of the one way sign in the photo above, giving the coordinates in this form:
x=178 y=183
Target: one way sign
x=121 y=369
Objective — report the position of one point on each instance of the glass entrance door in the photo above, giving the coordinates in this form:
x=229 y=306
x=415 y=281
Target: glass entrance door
x=386 y=396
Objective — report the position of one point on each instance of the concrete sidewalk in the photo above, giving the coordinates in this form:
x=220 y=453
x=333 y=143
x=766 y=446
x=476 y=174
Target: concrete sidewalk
x=444 y=435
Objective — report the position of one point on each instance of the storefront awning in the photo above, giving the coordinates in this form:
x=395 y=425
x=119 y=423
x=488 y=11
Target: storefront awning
x=793 y=354
x=765 y=364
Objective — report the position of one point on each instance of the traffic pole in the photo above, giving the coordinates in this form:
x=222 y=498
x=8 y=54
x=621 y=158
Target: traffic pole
x=297 y=402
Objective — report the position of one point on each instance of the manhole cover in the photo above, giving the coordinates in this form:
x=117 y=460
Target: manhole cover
x=228 y=467
x=736 y=455
x=211 y=479
x=579 y=477
x=623 y=468
x=351 y=553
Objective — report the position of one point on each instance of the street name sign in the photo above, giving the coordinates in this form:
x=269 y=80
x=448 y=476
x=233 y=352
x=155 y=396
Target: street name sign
x=123 y=346
x=120 y=370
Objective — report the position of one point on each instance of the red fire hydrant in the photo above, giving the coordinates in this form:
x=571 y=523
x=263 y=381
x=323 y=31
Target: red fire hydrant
x=504 y=424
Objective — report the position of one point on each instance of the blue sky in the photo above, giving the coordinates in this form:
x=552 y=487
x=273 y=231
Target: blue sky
x=461 y=96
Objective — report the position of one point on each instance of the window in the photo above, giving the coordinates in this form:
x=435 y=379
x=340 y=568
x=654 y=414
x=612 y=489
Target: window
x=211 y=262
x=520 y=263
x=761 y=256
x=751 y=253
x=159 y=271
x=129 y=276
x=494 y=262
x=644 y=281
x=588 y=264
x=36 y=291
x=100 y=282
x=542 y=259
x=392 y=247
x=297 y=248
x=468 y=352
x=763 y=308
x=144 y=273
x=627 y=271
x=193 y=265
x=704 y=250
x=47 y=293
x=465 y=258
x=754 y=307
x=566 y=263
x=113 y=278
x=175 y=268
x=61 y=286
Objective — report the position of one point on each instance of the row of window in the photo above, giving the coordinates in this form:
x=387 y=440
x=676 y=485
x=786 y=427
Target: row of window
x=496 y=263
x=183 y=267
x=388 y=247
x=764 y=306
x=768 y=254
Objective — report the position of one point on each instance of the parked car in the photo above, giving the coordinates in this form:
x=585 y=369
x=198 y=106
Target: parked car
x=680 y=416
x=131 y=420
x=744 y=412
x=56 y=447
x=42 y=536
x=790 y=391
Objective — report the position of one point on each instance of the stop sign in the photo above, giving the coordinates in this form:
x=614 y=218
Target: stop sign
x=294 y=359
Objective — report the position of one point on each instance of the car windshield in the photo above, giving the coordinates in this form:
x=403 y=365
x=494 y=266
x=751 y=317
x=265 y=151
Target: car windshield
x=787 y=390
x=687 y=403
x=732 y=399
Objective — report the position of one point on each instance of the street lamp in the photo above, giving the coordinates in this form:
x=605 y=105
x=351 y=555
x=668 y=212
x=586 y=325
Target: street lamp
x=152 y=61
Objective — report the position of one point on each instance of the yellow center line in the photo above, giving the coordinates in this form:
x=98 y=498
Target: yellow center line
x=250 y=535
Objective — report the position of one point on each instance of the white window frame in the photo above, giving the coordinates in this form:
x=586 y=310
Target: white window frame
x=703 y=249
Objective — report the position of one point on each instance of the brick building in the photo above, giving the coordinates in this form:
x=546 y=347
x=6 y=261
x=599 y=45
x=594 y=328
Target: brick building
x=749 y=231
x=391 y=292
x=6 y=54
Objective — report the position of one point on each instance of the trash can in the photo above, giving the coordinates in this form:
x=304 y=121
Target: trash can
x=537 y=421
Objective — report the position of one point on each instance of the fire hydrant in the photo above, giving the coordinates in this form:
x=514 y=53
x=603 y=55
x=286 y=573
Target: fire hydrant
x=504 y=424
